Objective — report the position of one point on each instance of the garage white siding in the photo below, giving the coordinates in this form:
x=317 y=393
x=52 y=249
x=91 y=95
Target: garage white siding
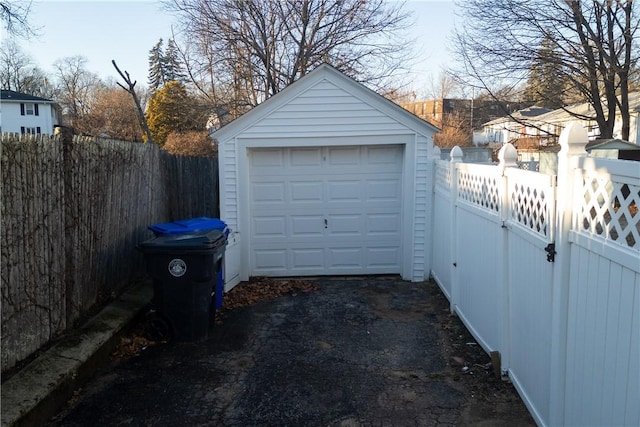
x=421 y=208
x=308 y=155
x=325 y=210
x=325 y=110
x=228 y=168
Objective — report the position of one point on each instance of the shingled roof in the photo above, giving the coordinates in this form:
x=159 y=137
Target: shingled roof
x=10 y=95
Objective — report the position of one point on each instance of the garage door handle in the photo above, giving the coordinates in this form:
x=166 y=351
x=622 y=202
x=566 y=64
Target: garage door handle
x=326 y=225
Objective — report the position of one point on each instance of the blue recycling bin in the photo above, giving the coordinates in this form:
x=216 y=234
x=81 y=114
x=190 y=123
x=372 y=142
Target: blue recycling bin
x=197 y=225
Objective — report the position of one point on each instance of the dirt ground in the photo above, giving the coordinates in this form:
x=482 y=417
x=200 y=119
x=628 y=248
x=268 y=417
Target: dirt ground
x=490 y=400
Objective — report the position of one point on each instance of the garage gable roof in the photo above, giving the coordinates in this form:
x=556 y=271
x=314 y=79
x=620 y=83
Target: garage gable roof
x=328 y=79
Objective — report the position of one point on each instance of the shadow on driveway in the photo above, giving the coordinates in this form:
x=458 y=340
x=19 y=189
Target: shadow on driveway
x=357 y=351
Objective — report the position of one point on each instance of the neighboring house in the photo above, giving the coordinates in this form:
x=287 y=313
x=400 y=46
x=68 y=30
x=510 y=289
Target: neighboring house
x=326 y=177
x=546 y=126
x=556 y=120
x=27 y=114
x=505 y=129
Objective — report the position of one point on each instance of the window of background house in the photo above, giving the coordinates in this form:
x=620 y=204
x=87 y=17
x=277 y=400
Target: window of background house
x=30 y=131
x=29 y=109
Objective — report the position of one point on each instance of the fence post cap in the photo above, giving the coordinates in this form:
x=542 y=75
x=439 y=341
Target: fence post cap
x=436 y=151
x=573 y=139
x=508 y=156
x=456 y=154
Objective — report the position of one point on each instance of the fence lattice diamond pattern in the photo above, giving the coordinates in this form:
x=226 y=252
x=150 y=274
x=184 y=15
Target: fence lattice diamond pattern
x=610 y=210
x=479 y=190
x=529 y=207
x=443 y=175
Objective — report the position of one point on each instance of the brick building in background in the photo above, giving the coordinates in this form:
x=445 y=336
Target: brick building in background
x=477 y=112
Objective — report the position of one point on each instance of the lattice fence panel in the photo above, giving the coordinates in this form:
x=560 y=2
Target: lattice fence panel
x=610 y=210
x=532 y=201
x=479 y=185
x=443 y=175
x=531 y=165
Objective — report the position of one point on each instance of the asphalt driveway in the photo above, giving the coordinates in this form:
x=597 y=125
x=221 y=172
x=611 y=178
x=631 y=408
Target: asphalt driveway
x=356 y=351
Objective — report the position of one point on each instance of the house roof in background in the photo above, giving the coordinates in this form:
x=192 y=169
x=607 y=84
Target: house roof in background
x=533 y=111
x=583 y=109
x=10 y=95
x=529 y=112
x=611 y=144
x=561 y=114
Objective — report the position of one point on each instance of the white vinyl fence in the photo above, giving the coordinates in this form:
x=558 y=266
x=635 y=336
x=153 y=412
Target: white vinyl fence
x=545 y=271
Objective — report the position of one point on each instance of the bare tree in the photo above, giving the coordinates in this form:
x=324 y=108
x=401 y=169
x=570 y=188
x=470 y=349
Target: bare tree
x=455 y=131
x=252 y=49
x=76 y=88
x=19 y=73
x=131 y=89
x=14 y=15
x=594 y=45
x=220 y=91
x=444 y=86
x=112 y=114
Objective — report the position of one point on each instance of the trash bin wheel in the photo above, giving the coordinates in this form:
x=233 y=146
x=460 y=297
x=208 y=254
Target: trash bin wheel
x=157 y=327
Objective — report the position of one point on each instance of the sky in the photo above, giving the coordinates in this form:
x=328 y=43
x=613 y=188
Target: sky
x=126 y=31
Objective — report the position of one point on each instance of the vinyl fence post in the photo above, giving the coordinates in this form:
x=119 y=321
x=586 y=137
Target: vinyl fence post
x=455 y=157
x=573 y=140
x=508 y=158
x=433 y=156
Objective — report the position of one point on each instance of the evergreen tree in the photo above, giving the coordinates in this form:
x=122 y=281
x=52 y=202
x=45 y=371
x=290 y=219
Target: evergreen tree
x=171 y=109
x=157 y=77
x=546 y=84
x=173 y=66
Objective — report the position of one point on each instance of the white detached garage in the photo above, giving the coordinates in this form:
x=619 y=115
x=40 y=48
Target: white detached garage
x=326 y=178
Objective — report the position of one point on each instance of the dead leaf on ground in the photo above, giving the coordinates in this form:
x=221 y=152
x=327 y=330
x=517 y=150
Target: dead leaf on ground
x=246 y=294
x=263 y=289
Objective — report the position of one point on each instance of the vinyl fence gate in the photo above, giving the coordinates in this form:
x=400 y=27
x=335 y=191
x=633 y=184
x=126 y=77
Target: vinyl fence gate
x=545 y=271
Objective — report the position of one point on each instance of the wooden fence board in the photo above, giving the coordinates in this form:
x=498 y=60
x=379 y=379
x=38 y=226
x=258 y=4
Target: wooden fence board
x=73 y=211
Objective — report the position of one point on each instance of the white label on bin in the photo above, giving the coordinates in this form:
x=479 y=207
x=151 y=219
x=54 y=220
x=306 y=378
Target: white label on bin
x=177 y=267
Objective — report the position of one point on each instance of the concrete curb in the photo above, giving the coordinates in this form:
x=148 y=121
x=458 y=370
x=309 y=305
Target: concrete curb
x=36 y=393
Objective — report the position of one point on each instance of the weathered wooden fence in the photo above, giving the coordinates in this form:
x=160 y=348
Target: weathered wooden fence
x=545 y=271
x=73 y=211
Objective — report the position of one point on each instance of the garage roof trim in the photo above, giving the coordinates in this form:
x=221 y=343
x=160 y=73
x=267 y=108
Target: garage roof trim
x=331 y=74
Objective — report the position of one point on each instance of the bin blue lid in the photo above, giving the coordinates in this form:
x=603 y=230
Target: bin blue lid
x=189 y=226
x=194 y=242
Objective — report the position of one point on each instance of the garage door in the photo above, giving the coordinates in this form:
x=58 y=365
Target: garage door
x=325 y=210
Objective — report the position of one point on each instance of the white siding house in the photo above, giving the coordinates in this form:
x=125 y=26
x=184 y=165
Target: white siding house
x=326 y=177
x=27 y=114
x=557 y=120
x=508 y=128
x=535 y=122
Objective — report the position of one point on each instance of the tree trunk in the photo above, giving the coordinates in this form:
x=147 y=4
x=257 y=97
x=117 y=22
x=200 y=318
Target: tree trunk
x=131 y=90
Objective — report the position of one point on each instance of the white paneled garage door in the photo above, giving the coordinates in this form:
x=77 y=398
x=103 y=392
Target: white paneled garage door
x=325 y=210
